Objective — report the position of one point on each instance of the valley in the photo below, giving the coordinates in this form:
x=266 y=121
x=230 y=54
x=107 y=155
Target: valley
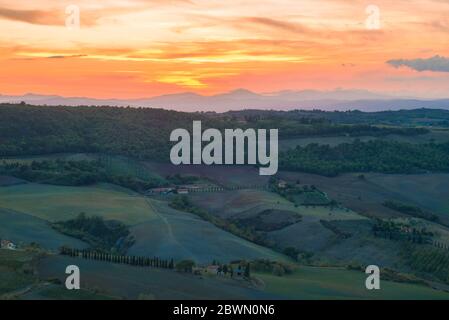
x=317 y=231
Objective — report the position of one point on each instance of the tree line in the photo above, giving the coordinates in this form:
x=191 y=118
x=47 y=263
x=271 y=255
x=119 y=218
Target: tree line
x=140 y=261
x=140 y=133
x=426 y=259
x=411 y=210
x=372 y=156
x=401 y=232
x=75 y=173
x=105 y=235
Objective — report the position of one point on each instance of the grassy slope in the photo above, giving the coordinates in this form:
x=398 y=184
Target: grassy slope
x=59 y=292
x=64 y=156
x=22 y=228
x=55 y=203
x=130 y=282
x=332 y=283
x=228 y=176
x=250 y=202
x=17 y=284
x=117 y=165
x=309 y=234
x=182 y=235
x=434 y=136
x=307 y=283
x=306 y=235
x=11 y=277
x=158 y=229
x=429 y=191
x=367 y=196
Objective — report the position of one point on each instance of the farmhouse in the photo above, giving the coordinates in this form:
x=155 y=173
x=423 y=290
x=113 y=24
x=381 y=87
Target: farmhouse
x=197 y=271
x=182 y=191
x=282 y=184
x=212 y=269
x=191 y=187
x=6 y=244
x=160 y=191
x=239 y=271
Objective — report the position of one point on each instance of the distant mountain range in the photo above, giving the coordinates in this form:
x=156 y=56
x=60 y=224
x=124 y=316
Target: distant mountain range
x=244 y=99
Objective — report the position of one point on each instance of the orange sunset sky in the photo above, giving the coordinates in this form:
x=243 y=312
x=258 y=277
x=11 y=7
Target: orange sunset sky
x=143 y=48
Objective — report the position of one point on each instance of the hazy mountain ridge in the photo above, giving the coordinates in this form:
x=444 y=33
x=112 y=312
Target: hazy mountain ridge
x=244 y=99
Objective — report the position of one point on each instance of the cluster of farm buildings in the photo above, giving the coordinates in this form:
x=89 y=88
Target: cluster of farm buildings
x=6 y=244
x=218 y=270
x=183 y=189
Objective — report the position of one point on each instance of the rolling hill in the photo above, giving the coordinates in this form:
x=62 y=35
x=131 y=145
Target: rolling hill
x=158 y=230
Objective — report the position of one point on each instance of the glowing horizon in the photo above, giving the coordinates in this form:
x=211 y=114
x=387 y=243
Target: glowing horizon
x=141 y=48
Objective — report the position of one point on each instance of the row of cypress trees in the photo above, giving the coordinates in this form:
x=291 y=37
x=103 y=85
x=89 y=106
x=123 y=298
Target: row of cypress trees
x=154 y=262
x=440 y=245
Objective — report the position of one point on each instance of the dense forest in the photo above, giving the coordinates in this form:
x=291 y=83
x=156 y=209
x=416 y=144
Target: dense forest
x=107 y=235
x=377 y=156
x=141 y=133
x=411 y=210
x=306 y=127
x=406 y=118
x=74 y=173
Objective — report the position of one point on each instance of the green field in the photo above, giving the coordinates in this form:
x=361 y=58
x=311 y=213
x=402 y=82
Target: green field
x=19 y=280
x=55 y=203
x=114 y=165
x=310 y=283
x=243 y=203
x=366 y=196
x=428 y=191
x=12 y=277
x=49 y=291
x=102 y=280
x=158 y=229
x=308 y=234
x=63 y=156
x=132 y=282
x=181 y=235
x=306 y=283
x=26 y=209
x=223 y=175
x=315 y=198
x=437 y=136
x=128 y=167
x=24 y=229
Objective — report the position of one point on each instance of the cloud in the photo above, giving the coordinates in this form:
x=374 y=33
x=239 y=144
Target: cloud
x=276 y=24
x=55 y=14
x=66 y=56
x=236 y=51
x=441 y=25
x=55 y=17
x=31 y=16
x=435 y=64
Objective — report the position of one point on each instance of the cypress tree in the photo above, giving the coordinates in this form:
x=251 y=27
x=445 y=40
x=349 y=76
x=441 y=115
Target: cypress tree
x=247 y=271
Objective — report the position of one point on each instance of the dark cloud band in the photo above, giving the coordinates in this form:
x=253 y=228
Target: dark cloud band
x=436 y=64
